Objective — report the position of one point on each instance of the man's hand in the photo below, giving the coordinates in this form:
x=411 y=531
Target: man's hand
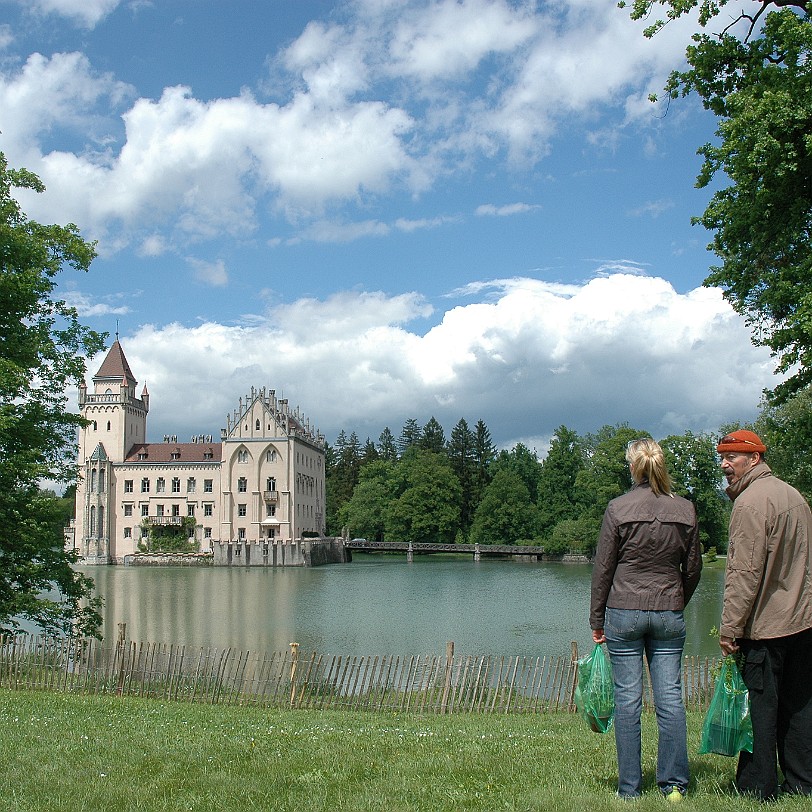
x=728 y=645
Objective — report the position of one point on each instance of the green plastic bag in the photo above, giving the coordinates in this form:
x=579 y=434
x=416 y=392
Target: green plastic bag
x=595 y=692
x=727 y=728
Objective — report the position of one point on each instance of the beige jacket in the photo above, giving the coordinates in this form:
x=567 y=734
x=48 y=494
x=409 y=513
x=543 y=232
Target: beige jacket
x=768 y=581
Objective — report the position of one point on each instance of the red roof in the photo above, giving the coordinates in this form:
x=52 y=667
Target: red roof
x=115 y=365
x=186 y=452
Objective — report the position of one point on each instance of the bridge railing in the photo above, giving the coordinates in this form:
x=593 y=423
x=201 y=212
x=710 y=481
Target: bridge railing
x=424 y=683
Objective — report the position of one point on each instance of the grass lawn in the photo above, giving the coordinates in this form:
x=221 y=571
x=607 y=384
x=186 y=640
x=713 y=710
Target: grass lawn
x=63 y=753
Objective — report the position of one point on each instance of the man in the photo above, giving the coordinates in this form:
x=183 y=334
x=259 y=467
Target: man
x=767 y=616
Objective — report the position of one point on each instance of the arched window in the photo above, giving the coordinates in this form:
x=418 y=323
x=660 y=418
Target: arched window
x=257 y=424
x=101 y=522
x=93 y=481
x=101 y=481
x=92 y=532
x=108 y=425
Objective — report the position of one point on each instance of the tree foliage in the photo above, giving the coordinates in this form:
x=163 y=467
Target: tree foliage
x=506 y=514
x=42 y=352
x=754 y=72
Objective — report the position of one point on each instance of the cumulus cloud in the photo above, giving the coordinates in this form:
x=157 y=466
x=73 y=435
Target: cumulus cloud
x=524 y=355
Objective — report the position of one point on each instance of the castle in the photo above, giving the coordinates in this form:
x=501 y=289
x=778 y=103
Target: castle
x=262 y=483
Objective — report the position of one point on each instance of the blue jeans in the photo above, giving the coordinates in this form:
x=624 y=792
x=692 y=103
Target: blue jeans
x=661 y=636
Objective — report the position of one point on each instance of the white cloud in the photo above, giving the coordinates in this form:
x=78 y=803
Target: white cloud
x=490 y=210
x=87 y=308
x=525 y=357
x=210 y=273
x=395 y=97
x=87 y=13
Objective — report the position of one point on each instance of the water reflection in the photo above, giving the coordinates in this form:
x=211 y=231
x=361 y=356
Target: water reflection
x=375 y=605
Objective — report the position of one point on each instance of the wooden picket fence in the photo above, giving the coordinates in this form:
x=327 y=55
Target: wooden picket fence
x=431 y=683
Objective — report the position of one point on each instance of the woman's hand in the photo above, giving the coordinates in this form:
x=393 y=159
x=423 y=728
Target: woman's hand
x=598 y=636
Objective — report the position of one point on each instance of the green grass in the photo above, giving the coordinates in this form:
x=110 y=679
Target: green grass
x=63 y=753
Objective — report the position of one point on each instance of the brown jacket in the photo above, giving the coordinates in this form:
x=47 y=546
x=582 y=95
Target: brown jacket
x=648 y=554
x=768 y=586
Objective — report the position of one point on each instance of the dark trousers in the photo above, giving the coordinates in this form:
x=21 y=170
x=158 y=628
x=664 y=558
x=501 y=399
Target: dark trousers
x=778 y=675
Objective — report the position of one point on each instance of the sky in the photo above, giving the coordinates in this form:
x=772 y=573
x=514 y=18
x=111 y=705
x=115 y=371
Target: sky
x=383 y=210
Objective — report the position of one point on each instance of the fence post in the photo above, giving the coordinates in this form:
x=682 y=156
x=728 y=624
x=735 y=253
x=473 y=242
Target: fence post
x=449 y=666
x=120 y=645
x=574 y=667
x=294 y=667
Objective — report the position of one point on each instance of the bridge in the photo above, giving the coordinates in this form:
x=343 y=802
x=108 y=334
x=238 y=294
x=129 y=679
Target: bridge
x=410 y=548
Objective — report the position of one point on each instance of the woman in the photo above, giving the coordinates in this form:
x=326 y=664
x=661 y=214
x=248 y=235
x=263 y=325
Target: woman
x=647 y=566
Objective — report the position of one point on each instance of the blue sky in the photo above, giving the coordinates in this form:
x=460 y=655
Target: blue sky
x=382 y=209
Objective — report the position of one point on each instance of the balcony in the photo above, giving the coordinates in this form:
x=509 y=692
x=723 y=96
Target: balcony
x=164 y=520
x=271 y=497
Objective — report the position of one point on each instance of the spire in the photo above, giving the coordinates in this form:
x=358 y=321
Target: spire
x=115 y=366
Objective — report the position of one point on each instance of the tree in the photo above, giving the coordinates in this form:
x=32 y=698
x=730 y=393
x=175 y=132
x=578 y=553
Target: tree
x=409 y=435
x=42 y=351
x=366 y=511
x=559 y=470
x=432 y=437
x=606 y=473
x=484 y=455
x=755 y=75
x=787 y=432
x=522 y=461
x=387 y=448
x=506 y=514
x=695 y=474
x=461 y=454
x=426 y=507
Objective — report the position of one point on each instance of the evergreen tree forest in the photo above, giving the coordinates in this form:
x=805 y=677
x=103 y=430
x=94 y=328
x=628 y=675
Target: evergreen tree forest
x=426 y=485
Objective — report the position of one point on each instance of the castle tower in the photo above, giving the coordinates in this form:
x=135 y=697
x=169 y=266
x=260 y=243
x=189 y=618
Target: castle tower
x=117 y=420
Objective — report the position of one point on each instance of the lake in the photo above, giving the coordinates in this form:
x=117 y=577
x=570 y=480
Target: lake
x=378 y=604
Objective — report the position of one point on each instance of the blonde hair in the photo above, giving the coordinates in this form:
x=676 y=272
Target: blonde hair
x=647 y=462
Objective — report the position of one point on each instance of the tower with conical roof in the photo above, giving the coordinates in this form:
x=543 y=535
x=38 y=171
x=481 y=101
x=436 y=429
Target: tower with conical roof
x=116 y=421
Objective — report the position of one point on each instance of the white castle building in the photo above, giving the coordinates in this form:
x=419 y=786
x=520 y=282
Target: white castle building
x=263 y=481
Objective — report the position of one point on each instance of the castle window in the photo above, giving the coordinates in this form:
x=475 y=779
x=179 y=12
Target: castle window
x=160 y=485
x=108 y=425
x=159 y=510
x=128 y=532
x=142 y=455
x=175 y=484
x=128 y=486
x=242 y=510
x=271 y=484
x=241 y=535
x=257 y=424
x=101 y=481
x=145 y=510
x=207 y=486
x=190 y=485
x=242 y=455
x=145 y=485
x=175 y=455
x=95 y=426
x=190 y=510
x=208 y=510
x=93 y=481
x=270 y=456
x=176 y=510
x=208 y=455
x=242 y=485
x=128 y=510
x=206 y=532
x=270 y=510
